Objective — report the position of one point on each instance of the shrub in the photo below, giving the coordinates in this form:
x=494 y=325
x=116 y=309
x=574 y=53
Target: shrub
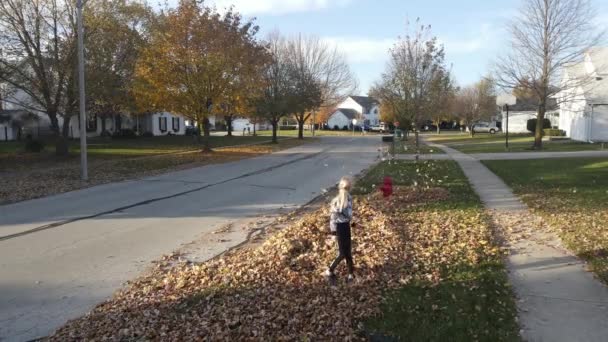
x=531 y=125
x=35 y=146
x=147 y=135
x=345 y=128
x=124 y=134
x=552 y=132
x=336 y=128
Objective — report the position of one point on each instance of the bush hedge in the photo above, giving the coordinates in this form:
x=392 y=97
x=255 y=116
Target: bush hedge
x=531 y=124
x=35 y=146
x=552 y=132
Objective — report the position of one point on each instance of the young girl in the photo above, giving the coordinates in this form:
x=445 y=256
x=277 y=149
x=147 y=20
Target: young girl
x=341 y=213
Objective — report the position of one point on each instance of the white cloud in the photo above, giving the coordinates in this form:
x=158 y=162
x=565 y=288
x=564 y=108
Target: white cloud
x=277 y=7
x=362 y=50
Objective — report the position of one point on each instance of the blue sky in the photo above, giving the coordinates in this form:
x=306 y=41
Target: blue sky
x=471 y=30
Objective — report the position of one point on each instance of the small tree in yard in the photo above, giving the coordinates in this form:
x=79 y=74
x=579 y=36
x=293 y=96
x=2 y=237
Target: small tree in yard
x=38 y=45
x=188 y=68
x=546 y=37
x=321 y=77
x=271 y=101
x=475 y=102
x=413 y=85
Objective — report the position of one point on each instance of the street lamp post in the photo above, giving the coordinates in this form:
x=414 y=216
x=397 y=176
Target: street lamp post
x=354 y=123
x=507 y=128
x=83 y=131
x=313 y=123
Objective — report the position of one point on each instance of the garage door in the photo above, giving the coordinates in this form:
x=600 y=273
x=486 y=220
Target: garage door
x=600 y=124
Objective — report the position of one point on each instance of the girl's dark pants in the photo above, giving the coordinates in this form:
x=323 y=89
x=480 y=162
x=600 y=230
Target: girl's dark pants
x=344 y=246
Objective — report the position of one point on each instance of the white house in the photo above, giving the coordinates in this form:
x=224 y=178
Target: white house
x=161 y=123
x=584 y=102
x=521 y=111
x=342 y=118
x=367 y=111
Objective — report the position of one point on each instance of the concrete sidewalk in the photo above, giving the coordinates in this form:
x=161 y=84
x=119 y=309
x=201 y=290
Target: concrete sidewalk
x=558 y=300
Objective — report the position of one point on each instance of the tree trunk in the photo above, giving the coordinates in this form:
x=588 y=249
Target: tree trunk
x=103 y=125
x=275 y=124
x=438 y=129
x=65 y=129
x=199 y=127
x=61 y=145
x=300 y=120
x=538 y=134
x=206 y=135
x=228 y=119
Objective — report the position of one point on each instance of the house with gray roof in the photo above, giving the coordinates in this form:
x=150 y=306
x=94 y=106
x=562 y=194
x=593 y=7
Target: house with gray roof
x=583 y=112
x=522 y=110
x=365 y=109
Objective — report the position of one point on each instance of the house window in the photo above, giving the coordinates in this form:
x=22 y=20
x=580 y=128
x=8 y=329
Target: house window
x=175 y=122
x=162 y=124
x=376 y=111
x=91 y=123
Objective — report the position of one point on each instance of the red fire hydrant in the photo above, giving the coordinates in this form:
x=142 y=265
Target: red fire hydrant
x=387 y=187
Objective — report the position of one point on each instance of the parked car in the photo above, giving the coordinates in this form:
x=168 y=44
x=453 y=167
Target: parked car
x=192 y=130
x=484 y=127
x=381 y=127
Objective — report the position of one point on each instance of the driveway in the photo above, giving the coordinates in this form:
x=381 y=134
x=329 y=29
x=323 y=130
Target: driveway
x=61 y=255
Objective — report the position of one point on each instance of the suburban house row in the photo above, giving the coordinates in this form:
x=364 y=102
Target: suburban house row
x=16 y=120
x=581 y=110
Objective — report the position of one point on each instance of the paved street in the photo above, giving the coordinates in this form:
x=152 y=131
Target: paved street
x=61 y=255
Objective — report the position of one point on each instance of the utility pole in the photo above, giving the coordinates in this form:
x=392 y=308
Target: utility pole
x=313 y=123
x=84 y=174
x=507 y=128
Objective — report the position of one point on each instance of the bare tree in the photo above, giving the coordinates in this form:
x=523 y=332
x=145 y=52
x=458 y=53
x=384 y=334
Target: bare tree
x=546 y=37
x=322 y=75
x=271 y=101
x=476 y=102
x=38 y=42
x=416 y=67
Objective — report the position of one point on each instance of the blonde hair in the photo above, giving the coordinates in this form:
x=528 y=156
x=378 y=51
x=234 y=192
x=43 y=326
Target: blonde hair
x=343 y=189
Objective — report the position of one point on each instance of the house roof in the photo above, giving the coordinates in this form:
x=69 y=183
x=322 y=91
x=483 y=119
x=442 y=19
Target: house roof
x=599 y=59
x=367 y=102
x=596 y=90
x=532 y=105
x=12 y=113
x=349 y=113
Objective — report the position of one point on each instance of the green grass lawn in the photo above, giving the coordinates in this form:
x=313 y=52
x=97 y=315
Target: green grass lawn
x=141 y=146
x=495 y=143
x=473 y=300
x=308 y=133
x=465 y=138
x=526 y=146
x=409 y=147
x=571 y=195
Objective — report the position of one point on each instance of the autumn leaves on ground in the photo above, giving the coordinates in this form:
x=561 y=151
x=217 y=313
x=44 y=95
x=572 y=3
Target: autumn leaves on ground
x=428 y=268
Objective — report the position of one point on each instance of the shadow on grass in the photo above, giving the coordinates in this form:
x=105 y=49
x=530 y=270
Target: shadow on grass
x=473 y=303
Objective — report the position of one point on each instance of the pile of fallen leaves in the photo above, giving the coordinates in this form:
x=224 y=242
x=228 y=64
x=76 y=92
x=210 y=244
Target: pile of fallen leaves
x=275 y=291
